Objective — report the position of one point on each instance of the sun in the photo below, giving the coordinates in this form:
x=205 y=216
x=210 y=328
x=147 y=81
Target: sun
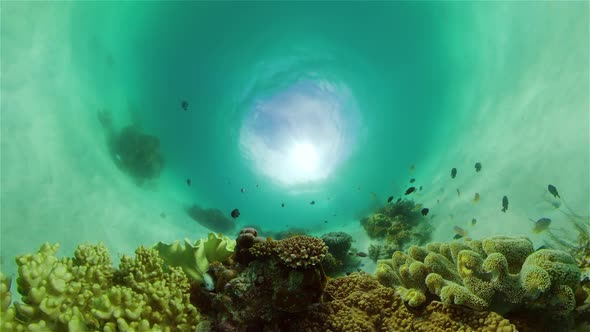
x=304 y=158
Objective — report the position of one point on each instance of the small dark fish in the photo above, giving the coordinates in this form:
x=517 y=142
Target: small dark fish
x=350 y=253
x=553 y=190
x=348 y=273
x=460 y=231
x=412 y=168
x=184 y=105
x=541 y=225
x=425 y=211
x=476 y=198
x=473 y=221
x=162 y=215
x=477 y=166
x=361 y=254
x=504 y=204
x=235 y=213
x=412 y=180
x=457 y=236
x=420 y=189
x=312 y=202
x=453 y=173
x=243 y=190
x=410 y=190
x=282 y=204
x=188 y=182
x=398 y=200
x=325 y=221
x=458 y=192
x=257 y=185
x=390 y=199
x=362 y=264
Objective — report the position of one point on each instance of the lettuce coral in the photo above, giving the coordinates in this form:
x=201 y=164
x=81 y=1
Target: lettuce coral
x=194 y=259
x=87 y=293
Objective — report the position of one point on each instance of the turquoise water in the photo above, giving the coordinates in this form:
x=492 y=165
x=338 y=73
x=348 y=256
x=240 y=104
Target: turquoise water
x=362 y=91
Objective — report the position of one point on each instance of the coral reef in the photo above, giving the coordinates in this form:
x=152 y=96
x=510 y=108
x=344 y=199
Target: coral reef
x=87 y=293
x=338 y=243
x=379 y=251
x=137 y=153
x=399 y=224
x=214 y=219
x=499 y=273
x=359 y=303
x=340 y=258
x=296 y=252
x=283 y=278
x=194 y=259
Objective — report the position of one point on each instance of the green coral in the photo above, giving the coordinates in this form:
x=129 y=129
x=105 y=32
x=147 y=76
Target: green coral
x=87 y=293
x=480 y=275
x=194 y=259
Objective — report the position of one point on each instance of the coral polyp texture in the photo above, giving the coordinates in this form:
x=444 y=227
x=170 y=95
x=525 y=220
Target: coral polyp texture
x=499 y=273
x=87 y=293
x=296 y=252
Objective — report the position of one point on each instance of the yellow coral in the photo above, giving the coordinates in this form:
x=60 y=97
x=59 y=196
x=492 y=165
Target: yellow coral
x=297 y=252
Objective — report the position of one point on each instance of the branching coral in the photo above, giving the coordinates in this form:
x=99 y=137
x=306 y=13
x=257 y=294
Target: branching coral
x=87 y=293
x=499 y=273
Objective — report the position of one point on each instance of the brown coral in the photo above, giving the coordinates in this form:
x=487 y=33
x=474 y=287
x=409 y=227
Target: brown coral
x=296 y=252
x=359 y=303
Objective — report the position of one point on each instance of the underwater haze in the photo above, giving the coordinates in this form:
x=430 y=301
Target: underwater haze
x=267 y=107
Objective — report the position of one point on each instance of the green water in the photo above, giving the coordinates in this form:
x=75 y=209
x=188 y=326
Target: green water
x=435 y=84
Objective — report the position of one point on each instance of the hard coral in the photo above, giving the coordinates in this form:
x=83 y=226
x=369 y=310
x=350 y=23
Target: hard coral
x=87 y=293
x=338 y=243
x=359 y=303
x=296 y=252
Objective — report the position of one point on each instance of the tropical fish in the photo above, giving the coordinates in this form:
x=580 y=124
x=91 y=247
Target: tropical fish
x=425 y=211
x=476 y=198
x=477 y=166
x=553 y=190
x=460 y=231
x=361 y=254
x=188 y=182
x=163 y=215
x=473 y=221
x=390 y=199
x=457 y=236
x=458 y=192
x=243 y=190
x=282 y=204
x=257 y=185
x=411 y=168
x=453 y=173
x=325 y=221
x=184 y=105
x=410 y=190
x=312 y=203
x=398 y=200
x=412 y=180
x=504 y=204
x=269 y=239
x=420 y=189
x=235 y=213
x=541 y=225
